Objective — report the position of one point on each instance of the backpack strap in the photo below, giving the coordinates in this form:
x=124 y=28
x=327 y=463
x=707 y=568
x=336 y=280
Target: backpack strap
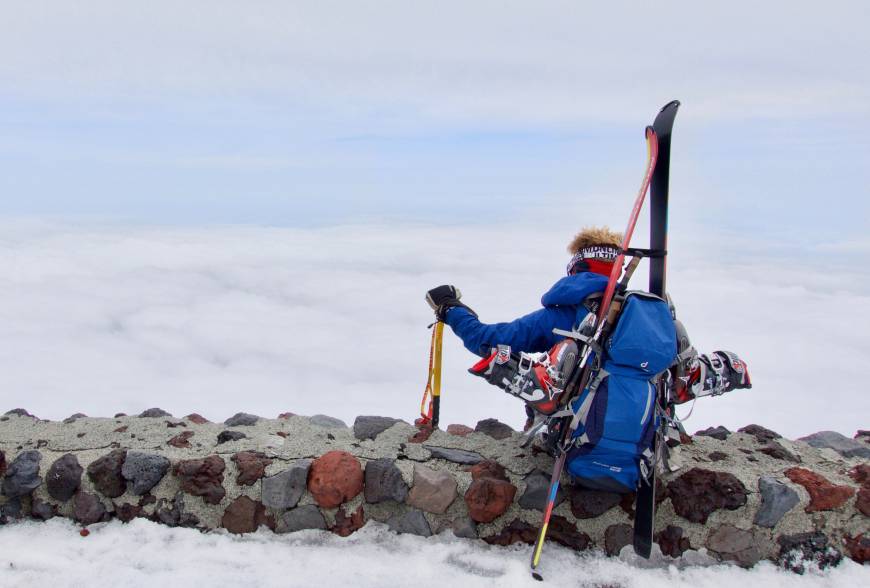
x=583 y=411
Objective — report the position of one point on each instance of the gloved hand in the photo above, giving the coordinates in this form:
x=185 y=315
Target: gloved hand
x=443 y=298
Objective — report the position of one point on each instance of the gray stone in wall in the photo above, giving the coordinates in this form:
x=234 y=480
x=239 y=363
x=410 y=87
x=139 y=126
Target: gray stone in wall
x=776 y=500
x=537 y=488
x=173 y=514
x=369 y=427
x=465 y=528
x=87 y=509
x=734 y=544
x=19 y=412
x=383 y=482
x=839 y=443
x=64 y=477
x=720 y=433
x=74 y=418
x=227 y=436
x=105 y=474
x=327 y=422
x=459 y=456
x=433 y=490
x=412 y=522
x=39 y=509
x=154 y=413
x=616 y=537
x=494 y=428
x=283 y=490
x=242 y=419
x=144 y=470
x=301 y=518
x=22 y=475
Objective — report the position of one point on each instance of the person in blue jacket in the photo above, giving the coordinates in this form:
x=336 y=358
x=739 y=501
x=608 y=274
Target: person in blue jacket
x=594 y=250
x=565 y=305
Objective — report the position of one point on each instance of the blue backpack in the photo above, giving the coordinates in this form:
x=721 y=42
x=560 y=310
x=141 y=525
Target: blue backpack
x=616 y=413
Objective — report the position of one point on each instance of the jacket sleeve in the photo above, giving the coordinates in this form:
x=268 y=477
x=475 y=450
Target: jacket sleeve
x=531 y=333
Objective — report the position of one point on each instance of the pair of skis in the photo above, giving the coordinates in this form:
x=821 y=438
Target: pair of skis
x=655 y=180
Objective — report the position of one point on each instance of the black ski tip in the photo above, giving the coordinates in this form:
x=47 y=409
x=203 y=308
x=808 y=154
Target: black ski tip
x=537 y=576
x=671 y=104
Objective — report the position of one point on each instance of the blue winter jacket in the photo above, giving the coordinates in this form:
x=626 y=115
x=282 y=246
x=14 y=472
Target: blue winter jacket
x=563 y=308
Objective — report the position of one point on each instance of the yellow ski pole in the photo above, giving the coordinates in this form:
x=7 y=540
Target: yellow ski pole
x=429 y=415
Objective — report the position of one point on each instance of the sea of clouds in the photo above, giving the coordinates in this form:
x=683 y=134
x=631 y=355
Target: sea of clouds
x=118 y=318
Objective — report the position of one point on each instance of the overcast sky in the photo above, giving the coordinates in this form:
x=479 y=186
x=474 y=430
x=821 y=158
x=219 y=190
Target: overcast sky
x=500 y=127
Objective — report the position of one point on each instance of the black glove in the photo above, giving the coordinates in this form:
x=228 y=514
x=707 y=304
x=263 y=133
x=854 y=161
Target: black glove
x=443 y=298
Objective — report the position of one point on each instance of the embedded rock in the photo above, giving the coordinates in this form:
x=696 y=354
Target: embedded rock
x=286 y=415
x=172 y=512
x=616 y=537
x=39 y=509
x=861 y=474
x=182 y=440
x=383 y=482
x=494 y=428
x=22 y=475
x=126 y=512
x=489 y=469
x=64 y=477
x=242 y=419
x=283 y=490
x=459 y=430
x=761 y=434
x=327 y=422
x=301 y=518
x=699 y=492
x=153 y=413
x=537 y=490
x=489 y=498
x=588 y=504
x=19 y=412
x=252 y=466
x=202 y=477
x=2 y=464
x=433 y=490
x=823 y=494
x=863 y=501
x=74 y=418
x=859 y=548
x=244 y=515
x=560 y=530
x=734 y=544
x=777 y=451
x=423 y=433
x=717 y=456
x=671 y=541
x=346 y=524
x=411 y=522
x=197 y=418
x=465 y=528
x=105 y=474
x=459 y=456
x=144 y=470
x=720 y=433
x=334 y=478
x=798 y=551
x=776 y=500
x=227 y=436
x=369 y=427
x=839 y=443
x=88 y=510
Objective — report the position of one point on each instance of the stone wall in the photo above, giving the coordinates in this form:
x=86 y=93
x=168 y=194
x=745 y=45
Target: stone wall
x=741 y=496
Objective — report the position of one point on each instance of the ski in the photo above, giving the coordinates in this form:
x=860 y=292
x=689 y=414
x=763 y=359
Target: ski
x=565 y=432
x=645 y=503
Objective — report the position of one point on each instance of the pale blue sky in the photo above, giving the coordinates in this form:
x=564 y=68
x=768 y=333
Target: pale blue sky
x=318 y=112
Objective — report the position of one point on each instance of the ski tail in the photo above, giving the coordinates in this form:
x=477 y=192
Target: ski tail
x=566 y=431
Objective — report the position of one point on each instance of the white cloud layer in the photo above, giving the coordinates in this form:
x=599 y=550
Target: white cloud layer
x=332 y=320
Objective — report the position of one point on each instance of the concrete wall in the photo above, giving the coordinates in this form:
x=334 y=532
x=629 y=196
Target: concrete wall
x=743 y=497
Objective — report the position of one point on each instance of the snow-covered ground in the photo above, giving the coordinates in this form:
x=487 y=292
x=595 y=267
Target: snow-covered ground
x=146 y=554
